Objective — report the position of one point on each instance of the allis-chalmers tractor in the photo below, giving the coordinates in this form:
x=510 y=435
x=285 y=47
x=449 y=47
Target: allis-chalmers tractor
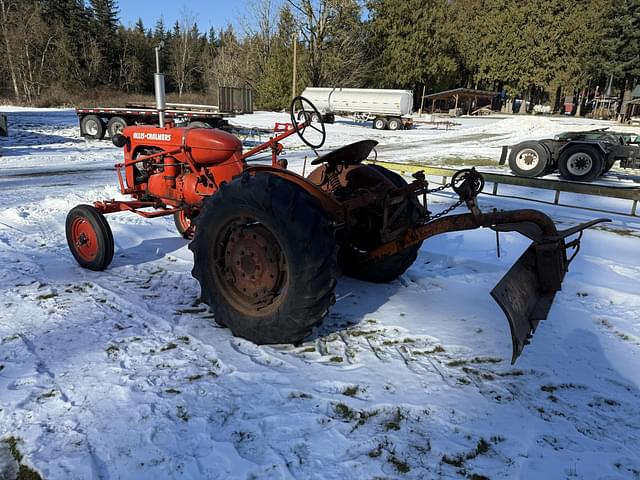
x=268 y=243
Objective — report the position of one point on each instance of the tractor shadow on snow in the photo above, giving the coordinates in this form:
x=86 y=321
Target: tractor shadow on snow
x=148 y=250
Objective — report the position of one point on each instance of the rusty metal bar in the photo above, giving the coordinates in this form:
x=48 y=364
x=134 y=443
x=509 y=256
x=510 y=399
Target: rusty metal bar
x=466 y=221
x=622 y=193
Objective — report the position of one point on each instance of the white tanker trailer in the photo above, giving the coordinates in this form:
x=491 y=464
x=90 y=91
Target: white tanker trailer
x=389 y=109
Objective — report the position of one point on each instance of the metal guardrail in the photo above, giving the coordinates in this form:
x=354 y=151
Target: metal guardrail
x=624 y=193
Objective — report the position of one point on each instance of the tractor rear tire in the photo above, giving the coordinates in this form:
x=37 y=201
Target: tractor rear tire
x=388 y=268
x=184 y=224
x=581 y=163
x=89 y=237
x=529 y=159
x=92 y=127
x=265 y=258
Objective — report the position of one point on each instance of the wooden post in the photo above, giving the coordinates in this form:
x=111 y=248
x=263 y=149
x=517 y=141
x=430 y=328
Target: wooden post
x=422 y=99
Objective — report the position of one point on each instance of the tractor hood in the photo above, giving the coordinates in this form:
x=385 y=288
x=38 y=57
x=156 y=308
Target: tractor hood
x=210 y=145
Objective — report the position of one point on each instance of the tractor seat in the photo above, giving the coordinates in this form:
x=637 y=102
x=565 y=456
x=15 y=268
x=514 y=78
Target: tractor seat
x=351 y=154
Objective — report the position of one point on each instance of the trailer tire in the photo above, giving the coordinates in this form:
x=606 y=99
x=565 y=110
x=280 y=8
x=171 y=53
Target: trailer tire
x=89 y=237
x=581 y=163
x=395 y=123
x=529 y=159
x=354 y=264
x=380 y=123
x=92 y=127
x=265 y=257
x=115 y=126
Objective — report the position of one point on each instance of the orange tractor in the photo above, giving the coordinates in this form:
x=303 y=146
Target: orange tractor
x=268 y=243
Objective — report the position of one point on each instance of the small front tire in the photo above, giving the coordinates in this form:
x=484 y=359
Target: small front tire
x=184 y=224
x=89 y=237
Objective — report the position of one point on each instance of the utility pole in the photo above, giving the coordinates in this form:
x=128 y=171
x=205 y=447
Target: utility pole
x=295 y=64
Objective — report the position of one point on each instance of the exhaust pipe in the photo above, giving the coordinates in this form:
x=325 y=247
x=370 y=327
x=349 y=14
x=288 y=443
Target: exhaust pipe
x=158 y=83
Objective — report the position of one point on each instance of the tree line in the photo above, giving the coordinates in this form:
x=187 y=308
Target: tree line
x=538 y=49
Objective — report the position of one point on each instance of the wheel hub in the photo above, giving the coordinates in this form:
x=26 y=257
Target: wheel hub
x=254 y=264
x=579 y=163
x=85 y=239
x=527 y=159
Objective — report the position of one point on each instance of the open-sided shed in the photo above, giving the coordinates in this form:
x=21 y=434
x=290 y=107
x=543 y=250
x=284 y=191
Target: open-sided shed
x=466 y=98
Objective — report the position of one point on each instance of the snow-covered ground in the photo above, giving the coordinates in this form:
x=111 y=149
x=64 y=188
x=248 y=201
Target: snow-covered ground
x=123 y=375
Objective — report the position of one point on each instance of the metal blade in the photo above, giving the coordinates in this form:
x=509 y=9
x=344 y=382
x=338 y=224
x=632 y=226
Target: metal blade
x=525 y=295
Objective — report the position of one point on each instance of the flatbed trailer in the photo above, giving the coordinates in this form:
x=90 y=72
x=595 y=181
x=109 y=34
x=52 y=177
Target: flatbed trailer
x=97 y=122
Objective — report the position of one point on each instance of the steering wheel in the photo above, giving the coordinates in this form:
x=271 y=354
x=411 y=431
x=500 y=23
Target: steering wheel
x=472 y=183
x=307 y=111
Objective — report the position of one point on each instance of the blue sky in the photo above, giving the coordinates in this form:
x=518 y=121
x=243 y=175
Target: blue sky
x=207 y=13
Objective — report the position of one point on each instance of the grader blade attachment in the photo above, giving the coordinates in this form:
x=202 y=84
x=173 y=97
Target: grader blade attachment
x=527 y=291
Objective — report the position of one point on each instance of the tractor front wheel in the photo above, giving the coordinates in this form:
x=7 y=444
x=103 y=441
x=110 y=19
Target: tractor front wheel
x=89 y=237
x=184 y=223
x=265 y=257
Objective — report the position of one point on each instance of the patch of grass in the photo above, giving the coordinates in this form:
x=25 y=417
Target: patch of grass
x=394 y=423
x=173 y=390
x=46 y=296
x=10 y=338
x=345 y=411
x=168 y=346
x=400 y=465
x=398 y=341
x=24 y=472
x=336 y=359
x=361 y=333
x=193 y=378
x=49 y=394
x=481 y=448
x=301 y=395
x=351 y=390
x=474 y=361
x=309 y=350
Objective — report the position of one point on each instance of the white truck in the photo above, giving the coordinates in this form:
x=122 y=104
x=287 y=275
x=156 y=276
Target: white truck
x=389 y=109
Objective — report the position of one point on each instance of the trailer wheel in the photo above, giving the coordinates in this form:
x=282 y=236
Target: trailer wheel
x=89 y=237
x=529 y=159
x=265 y=257
x=355 y=265
x=92 y=127
x=184 y=223
x=582 y=163
x=380 y=123
x=115 y=126
x=395 y=124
